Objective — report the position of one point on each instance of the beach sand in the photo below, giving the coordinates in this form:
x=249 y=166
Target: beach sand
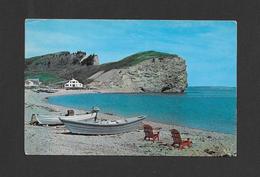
x=57 y=140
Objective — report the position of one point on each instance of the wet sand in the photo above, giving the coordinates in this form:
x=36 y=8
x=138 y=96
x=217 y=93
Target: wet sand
x=57 y=140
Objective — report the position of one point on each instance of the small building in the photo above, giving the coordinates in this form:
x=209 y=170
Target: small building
x=73 y=83
x=32 y=83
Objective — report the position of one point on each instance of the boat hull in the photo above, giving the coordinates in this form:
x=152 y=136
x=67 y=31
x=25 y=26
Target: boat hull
x=90 y=128
x=55 y=119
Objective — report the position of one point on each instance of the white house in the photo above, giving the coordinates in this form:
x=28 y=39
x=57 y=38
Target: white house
x=73 y=83
x=32 y=83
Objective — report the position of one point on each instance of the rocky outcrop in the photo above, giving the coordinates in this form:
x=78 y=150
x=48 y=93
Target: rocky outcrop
x=148 y=71
x=164 y=74
x=90 y=60
x=61 y=60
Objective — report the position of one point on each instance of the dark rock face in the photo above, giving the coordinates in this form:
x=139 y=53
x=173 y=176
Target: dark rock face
x=90 y=60
x=60 y=60
x=80 y=54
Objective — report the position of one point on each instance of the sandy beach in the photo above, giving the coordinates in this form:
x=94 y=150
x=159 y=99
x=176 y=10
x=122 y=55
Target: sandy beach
x=56 y=140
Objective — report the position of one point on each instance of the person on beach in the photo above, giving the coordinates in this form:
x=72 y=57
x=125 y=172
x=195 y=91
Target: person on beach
x=95 y=110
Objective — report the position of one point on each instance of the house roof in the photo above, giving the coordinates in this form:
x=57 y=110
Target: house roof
x=33 y=81
x=72 y=80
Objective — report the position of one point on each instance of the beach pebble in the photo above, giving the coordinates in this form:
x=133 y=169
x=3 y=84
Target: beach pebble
x=209 y=151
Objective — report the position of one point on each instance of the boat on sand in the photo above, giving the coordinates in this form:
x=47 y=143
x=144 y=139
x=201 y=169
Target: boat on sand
x=55 y=119
x=102 y=127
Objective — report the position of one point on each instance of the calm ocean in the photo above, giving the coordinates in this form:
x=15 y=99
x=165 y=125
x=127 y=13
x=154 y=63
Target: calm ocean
x=208 y=108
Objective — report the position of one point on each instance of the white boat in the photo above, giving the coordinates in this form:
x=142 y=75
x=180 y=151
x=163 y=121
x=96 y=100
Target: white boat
x=55 y=119
x=102 y=127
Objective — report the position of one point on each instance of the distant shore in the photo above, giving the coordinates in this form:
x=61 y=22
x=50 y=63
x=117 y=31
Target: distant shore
x=56 y=140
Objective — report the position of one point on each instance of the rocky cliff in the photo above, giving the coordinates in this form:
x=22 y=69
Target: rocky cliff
x=153 y=75
x=148 y=71
x=61 y=60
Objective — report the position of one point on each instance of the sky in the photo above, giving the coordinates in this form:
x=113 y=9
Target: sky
x=209 y=47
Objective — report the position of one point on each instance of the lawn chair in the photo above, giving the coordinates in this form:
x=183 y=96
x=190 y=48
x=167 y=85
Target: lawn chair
x=150 y=133
x=178 y=142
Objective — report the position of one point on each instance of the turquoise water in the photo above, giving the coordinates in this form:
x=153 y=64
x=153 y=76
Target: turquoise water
x=209 y=108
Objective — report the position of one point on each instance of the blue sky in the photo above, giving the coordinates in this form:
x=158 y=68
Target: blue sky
x=209 y=47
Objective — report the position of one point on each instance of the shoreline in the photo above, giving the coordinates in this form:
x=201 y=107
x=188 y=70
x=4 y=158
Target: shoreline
x=61 y=92
x=205 y=143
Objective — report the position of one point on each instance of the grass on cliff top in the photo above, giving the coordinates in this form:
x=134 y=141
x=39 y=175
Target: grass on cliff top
x=44 y=77
x=135 y=59
x=142 y=56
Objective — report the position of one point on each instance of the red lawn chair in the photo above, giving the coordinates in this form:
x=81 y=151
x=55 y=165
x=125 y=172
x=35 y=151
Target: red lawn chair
x=150 y=133
x=181 y=144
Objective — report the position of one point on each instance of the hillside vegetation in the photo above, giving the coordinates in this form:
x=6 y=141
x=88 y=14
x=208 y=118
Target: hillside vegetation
x=44 y=77
x=142 y=56
x=148 y=70
x=62 y=67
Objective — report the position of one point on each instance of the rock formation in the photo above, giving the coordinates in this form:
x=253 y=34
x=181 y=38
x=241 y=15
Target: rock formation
x=90 y=60
x=148 y=71
x=60 y=60
x=165 y=74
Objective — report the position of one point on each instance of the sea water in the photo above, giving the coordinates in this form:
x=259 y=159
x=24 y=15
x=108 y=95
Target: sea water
x=208 y=108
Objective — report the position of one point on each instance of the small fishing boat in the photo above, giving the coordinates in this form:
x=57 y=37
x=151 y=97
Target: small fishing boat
x=55 y=119
x=102 y=127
